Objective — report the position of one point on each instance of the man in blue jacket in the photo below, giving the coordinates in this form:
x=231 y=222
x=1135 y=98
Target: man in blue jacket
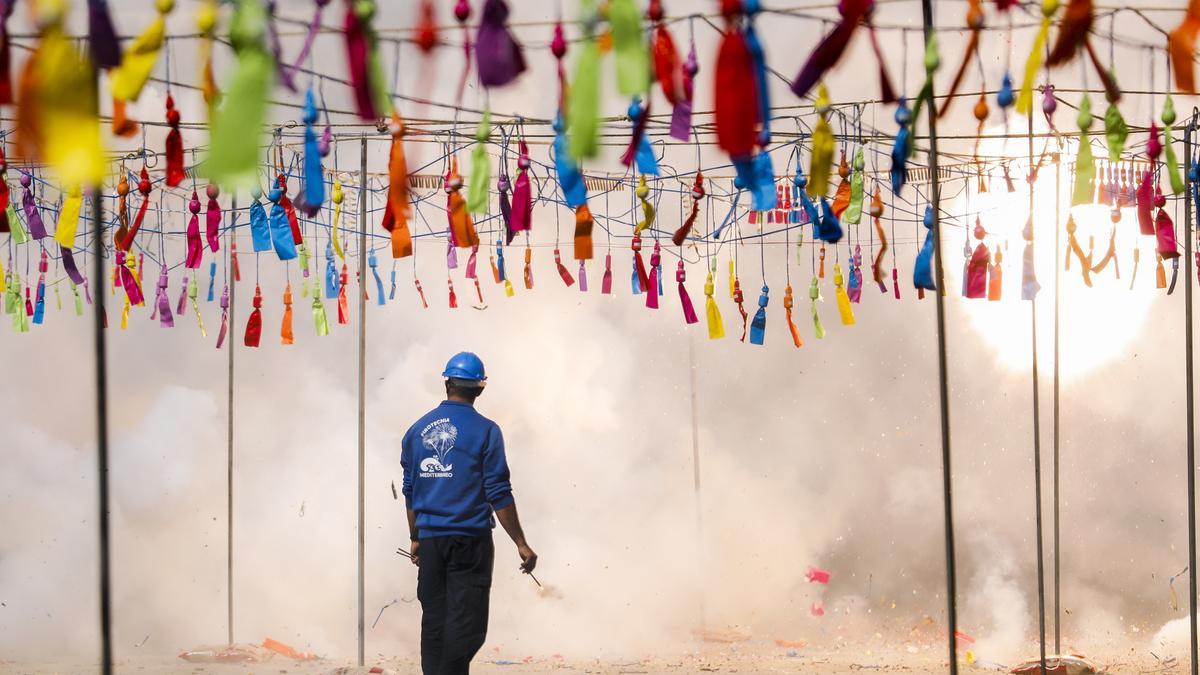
x=455 y=479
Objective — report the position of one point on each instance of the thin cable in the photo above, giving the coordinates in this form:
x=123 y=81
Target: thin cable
x=1188 y=375
x=1037 y=428
x=98 y=326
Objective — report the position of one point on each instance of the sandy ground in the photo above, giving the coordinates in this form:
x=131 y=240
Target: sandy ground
x=748 y=659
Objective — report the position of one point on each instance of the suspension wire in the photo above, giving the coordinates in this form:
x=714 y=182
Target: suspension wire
x=1037 y=425
x=1189 y=377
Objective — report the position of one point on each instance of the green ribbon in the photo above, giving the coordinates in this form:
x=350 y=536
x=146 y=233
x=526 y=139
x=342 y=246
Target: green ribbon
x=932 y=61
x=853 y=213
x=319 y=319
x=1116 y=131
x=477 y=186
x=629 y=47
x=1085 y=168
x=19 y=235
x=234 y=145
x=583 y=103
x=1168 y=118
x=78 y=300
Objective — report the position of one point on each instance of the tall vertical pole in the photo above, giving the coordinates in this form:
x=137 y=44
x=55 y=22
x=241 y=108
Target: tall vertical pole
x=362 y=407
x=1057 y=296
x=1037 y=428
x=1187 y=350
x=98 y=318
x=696 y=474
x=943 y=389
x=229 y=449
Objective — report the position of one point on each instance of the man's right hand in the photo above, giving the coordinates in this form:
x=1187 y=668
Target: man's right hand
x=528 y=558
x=414 y=550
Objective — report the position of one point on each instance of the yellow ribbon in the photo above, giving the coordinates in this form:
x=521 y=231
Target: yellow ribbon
x=716 y=328
x=338 y=196
x=822 y=147
x=68 y=218
x=65 y=103
x=843 y=300
x=642 y=192
x=1025 y=98
x=127 y=79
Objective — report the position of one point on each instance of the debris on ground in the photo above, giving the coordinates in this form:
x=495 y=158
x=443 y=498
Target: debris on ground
x=797 y=644
x=288 y=651
x=1058 y=665
x=235 y=653
x=725 y=636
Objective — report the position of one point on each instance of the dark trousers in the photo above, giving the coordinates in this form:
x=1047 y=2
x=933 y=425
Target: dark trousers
x=453 y=583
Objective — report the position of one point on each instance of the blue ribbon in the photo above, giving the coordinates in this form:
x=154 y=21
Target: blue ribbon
x=212 y=279
x=902 y=148
x=332 y=285
x=314 y=178
x=260 y=229
x=923 y=268
x=829 y=229
x=758 y=325
x=281 y=231
x=570 y=181
x=374 y=264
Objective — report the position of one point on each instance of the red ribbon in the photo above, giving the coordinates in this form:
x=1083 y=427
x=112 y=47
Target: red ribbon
x=254 y=324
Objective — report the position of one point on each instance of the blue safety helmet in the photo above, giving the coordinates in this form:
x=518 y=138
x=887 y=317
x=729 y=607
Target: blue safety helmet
x=467 y=368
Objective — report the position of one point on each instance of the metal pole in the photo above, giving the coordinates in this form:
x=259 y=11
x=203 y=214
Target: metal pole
x=696 y=474
x=943 y=389
x=98 y=317
x=229 y=449
x=1191 y=421
x=362 y=408
x=1037 y=430
x=1057 y=295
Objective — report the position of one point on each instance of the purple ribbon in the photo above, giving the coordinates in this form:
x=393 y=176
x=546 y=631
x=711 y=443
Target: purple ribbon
x=37 y=229
x=68 y=261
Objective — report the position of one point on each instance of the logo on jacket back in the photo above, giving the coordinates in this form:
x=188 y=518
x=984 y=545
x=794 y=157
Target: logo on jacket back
x=438 y=437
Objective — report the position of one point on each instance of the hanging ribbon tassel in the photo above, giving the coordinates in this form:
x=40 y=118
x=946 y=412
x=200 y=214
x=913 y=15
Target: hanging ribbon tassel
x=1181 y=43
x=254 y=323
x=127 y=79
x=285 y=328
x=854 y=283
x=320 y=320
x=395 y=216
x=1165 y=231
x=931 y=62
x=192 y=294
x=563 y=272
x=606 y=280
x=183 y=297
x=1034 y=63
x=822 y=147
x=1173 y=173
x=68 y=261
x=33 y=217
x=643 y=192
x=843 y=300
x=477 y=188
x=814 y=294
x=977 y=266
x=1073 y=32
x=583 y=234
x=174 y=145
x=144 y=187
x=314 y=177
x=343 y=305
x=39 y=307
x=498 y=55
x=853 y=212
x=522 y=203
x=1074 y=249
x=902 y=147
x=738 y=298
x=1115 y=131
x=161 y=301
x=758 y=326
x=462 y=229
x=195 y=249
x=1160 y=275
x=685 y=301
x=681 y=113
x=260 y=228
x=629 y=47
x=212 y=217
x=206 y=24
x=582 y=276
x=668 y=69
x=1085 y=166
x=528 y=268
x=923 y=267
x=735 y=109
x=212 y=279
x=830 y=49
x=841 y=197
x=640 y=278
x=787 y=309
x=332 y=286
x=975 y=23
x=570 y=180
x=233 y=155
x=281 y=230
x=996 y=278
x=716 y=328
x=1145 y=204
x=583 y=105
x=68 y=218
x=653 y=286
x=828 y=229
x=371 y=98
x=453 y=301
x=697 y=195
x=1029 y=282
x=877 y=264
x=373 y=263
